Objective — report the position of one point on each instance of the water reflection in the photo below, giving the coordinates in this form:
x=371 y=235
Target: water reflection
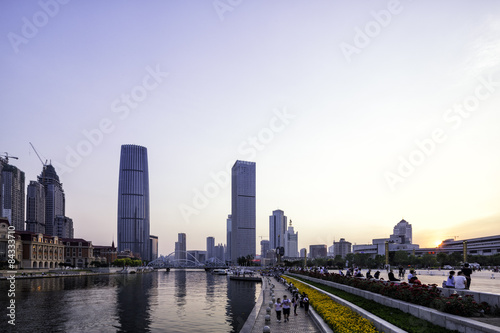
x=239 y=304
x=132 y=303
x=179 y=301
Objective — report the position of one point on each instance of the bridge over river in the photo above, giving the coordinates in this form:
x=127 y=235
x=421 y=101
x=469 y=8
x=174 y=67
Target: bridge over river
x=188 y=261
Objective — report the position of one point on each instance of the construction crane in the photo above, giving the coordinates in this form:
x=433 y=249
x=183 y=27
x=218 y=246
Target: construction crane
x=44 y=164
x=7 y=156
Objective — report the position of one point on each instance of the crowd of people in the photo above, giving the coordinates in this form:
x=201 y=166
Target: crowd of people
x=460 y=280
x=284 y=306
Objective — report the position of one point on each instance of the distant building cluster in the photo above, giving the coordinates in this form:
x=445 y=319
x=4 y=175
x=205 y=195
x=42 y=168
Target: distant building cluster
x=281 y=237
x=44 y=234
x=400 y=240
x=44 y=202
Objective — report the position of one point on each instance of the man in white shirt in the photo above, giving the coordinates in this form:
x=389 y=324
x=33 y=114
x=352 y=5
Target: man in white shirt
x=277 y=307
x=286 y=308
x=460 y=281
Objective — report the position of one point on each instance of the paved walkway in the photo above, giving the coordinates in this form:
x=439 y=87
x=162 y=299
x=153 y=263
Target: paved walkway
x=297 y=324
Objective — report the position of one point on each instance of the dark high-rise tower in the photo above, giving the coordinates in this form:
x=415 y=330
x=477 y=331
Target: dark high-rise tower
x=243 y=210
x=55 y=201
x=277 y=229
x=35 y=208
x=133 y=201
x=12 y=195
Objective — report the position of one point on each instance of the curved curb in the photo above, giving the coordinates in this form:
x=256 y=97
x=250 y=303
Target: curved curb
x=320 y=323
x=252 y=317
x=379 y=323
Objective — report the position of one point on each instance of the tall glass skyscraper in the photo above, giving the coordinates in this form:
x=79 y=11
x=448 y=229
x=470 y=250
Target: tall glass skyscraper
x=12 y=195
x=35 y=208
x=277 y=229
x=55 y=200
x=243 y=210
x=133 y=201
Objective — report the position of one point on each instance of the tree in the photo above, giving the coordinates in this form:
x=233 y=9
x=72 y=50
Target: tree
x=455 y=258
x=429 y=260
x=349 y=259
x=400 y=258
x=319 y=262
x=361 y=259
x=95 y=263
x=249 y=259
x=380 y=260
x=442 y=258
x=339 y=261
x=245 y=261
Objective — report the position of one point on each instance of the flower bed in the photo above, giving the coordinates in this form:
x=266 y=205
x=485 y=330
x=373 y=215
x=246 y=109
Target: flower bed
x=340 y=318
x=425 y=295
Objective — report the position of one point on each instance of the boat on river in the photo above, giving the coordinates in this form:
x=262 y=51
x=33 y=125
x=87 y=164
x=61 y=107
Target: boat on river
x=219 y=271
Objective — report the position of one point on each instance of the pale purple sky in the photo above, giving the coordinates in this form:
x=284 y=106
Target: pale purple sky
x=329 y=98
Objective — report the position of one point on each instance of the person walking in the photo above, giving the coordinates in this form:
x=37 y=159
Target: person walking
x=286 y=308
x=277 y=307
x=295 y=302
x=306 y=304
x=467 y=273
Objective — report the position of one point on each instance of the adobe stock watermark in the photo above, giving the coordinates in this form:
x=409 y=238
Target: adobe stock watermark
x=122 y=107
x=31 y=26
x=364 y=36
x=11 y=292
x=428 y=146
x=248 y=150
x=224 y=6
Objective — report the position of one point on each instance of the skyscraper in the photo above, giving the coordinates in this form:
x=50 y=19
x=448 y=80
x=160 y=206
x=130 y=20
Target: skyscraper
x=243 y=210
x=264 y=247
x=180 y=247
x=12 y=198
x=277 y=228
x=291 y=242
x=210 y=247
x=133 y=201
x=153 y=247
x=402 y=233
x=219 y=252
x=55 y=201
x=229 y=224
x=35 y=208
x=64 y=227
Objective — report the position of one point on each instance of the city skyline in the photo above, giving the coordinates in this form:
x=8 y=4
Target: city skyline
x=357 y=117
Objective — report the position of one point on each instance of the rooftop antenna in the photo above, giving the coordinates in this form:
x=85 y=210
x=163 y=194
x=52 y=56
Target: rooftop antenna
x=7 y=156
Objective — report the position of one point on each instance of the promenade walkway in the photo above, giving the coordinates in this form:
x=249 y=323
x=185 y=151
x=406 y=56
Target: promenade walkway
x=297 y=324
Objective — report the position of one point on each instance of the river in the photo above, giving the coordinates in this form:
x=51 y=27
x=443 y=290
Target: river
x=177 y=301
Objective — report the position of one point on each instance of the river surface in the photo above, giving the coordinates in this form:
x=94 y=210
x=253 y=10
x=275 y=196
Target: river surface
x=177 y=301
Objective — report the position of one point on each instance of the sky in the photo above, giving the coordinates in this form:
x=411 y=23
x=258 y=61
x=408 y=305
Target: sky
x=357 y=114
